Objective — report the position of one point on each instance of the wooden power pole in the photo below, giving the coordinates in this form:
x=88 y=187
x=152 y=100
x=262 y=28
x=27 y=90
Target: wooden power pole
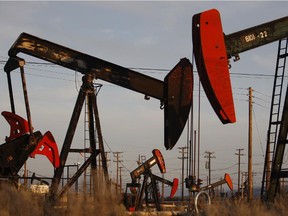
x=209 y=156
x=117 y=155
x=182 y=158
x=120 y=170
x=239 y=170
x=250 y=180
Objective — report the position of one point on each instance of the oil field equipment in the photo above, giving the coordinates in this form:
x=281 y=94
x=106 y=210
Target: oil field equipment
x=174 y=93
x=213 y=50
x=133 y=200
x=22 y=144
x=202 y=198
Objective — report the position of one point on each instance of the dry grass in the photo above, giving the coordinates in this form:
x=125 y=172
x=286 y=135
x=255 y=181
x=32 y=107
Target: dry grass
x=19 y=202
x=255 y=208
x=24 y=203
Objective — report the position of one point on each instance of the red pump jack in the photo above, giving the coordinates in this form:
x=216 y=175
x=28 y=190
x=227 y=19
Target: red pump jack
x=195 y=187
x=227 y=179
x=22 y=144
x=133 y=201
x=22 y=141
x=212 y=50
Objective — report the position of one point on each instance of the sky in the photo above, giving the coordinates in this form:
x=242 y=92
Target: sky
x=150 y=37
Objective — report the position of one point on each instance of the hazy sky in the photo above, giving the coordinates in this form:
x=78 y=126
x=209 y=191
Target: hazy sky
x=154 y=35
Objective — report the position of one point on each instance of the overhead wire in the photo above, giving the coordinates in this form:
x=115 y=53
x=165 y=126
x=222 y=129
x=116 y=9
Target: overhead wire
x=145 y=70
x=149 y=70
x=258 y=133
x=261 y=93
x=106 y=143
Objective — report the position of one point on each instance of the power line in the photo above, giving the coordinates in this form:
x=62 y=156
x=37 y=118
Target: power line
x=261 y=99
x=258 y=133
x=226 y=168
x=261 y=93
x=260 y=105
x=154 y=70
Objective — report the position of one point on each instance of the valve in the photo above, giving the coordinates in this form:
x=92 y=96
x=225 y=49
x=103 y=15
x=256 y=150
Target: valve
x=191 y=184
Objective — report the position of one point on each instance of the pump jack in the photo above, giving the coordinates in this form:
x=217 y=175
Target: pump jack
x=227 y=179
x=212 y=51
x=22 y=141
x=135 y=199
x=174 y=93
x=22 y=144
x=201 y=191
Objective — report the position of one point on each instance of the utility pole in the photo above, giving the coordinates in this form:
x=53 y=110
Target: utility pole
x=108 y=160
x=182 y=151
x=194 y=162
x=163 y=189
x=239 y=159
x=120 y=170
x=242 y=185
x=209 y=156
x=199 y=126
x=117 y=155
x=101 y=173
x=250 y=180
x=100 y=159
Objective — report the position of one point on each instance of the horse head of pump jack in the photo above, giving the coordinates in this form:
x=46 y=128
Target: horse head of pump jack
x=212 y=50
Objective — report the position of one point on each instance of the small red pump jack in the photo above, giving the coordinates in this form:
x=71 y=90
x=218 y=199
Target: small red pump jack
x=202 y=198
x=22 y=144
x=133 y=201
x=227 y=179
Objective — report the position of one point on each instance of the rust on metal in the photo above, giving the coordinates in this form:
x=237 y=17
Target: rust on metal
x=178 y=93
x=160 y=160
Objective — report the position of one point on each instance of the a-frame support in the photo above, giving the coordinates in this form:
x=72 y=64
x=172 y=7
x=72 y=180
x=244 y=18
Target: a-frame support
x=87 y=89
x=148 y=174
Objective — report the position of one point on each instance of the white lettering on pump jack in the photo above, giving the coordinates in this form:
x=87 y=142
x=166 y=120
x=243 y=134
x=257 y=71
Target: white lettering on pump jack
x=249 y=38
